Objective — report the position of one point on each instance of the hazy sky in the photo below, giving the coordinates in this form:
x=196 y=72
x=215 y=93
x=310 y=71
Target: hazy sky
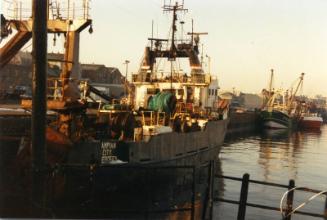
x=246 y=38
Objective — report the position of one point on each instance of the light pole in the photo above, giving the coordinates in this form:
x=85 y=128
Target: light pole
x=126 y=63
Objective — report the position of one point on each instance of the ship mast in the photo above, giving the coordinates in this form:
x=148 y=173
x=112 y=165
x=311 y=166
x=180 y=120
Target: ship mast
x=271 y=81
x=173 y=50
x=174 y=8
x=296 y=90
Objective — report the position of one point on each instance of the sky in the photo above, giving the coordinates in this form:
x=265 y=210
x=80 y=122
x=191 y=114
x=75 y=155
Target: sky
x=246 y=38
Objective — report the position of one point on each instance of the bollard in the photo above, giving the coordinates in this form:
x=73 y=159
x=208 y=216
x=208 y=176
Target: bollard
x=243 y=197
x=290 y=197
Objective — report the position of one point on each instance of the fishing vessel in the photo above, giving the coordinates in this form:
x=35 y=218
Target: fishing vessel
x=173 y=117
x=276 y=119
x=310 y=121
x=165 y=119
x=280 y=109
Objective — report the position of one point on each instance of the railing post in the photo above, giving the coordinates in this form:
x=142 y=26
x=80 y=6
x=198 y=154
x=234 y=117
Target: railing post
x=290 y=197
x=148 y=199
x=243 y=197
x=193 y=194
x=212 y=187
x=208 y=201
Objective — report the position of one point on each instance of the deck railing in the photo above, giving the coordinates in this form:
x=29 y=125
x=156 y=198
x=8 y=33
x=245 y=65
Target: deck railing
x=58 y=9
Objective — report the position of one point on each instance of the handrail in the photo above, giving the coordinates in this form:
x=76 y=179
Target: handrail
x=59 y=9
x=155 y=118
x=288 y=210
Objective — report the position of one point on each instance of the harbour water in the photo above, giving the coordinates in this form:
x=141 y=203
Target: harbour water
x=274 y=156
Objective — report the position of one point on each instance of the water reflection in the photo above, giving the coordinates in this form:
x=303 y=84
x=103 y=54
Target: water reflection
x=280 y=150
x=275 y=134
x=219 y=186
x=275 y=145
x=275 y=156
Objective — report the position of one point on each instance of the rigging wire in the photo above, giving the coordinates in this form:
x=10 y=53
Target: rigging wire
x=125 y=10
x=167 y=47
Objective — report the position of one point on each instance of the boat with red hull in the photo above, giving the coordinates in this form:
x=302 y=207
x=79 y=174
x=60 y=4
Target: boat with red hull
x=311 y=122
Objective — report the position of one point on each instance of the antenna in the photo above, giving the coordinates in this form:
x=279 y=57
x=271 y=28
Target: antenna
x=209 y=63
x=152 y=34
x=201 y=54
x=172 y=53
x=192 y=31
x=195 y=36
x=174 y=8
x=170 y=6
x=182 y=29
x=271 y=81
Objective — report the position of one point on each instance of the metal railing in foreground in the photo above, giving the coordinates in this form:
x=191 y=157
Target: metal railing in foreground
x=286 y=212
